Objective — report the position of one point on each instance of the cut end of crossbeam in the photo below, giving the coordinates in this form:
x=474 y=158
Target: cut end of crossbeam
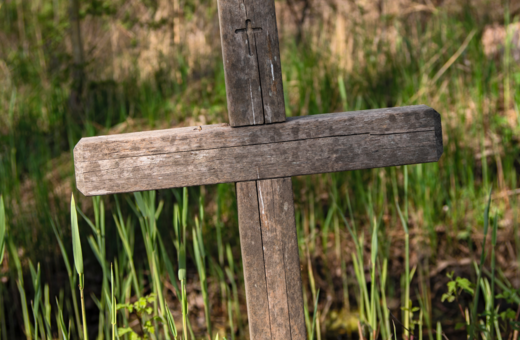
x=221 y=154
x=80 y=183
x=438 y=132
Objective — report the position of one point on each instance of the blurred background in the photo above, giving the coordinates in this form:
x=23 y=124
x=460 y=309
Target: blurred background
x=422 y=251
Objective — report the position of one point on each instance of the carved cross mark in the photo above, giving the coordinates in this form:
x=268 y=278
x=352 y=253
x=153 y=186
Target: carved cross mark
x=249 y=30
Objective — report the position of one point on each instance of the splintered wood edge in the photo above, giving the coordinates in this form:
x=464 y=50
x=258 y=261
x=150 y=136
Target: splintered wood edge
x=218 y=153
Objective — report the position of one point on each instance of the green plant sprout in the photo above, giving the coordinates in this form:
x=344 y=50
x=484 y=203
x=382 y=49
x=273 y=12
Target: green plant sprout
x=455 y=287
x=141 y=308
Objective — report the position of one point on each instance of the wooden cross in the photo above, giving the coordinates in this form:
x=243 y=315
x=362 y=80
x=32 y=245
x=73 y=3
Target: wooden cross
x=249 y=31
x=260 y=159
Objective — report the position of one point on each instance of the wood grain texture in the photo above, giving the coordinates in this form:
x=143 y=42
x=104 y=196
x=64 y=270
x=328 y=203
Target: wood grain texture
x=219 y=154
x=284 y=210
x=194 y=138
x=251 y=62
x=273 y=245
x=263 y=14
x=268 y=238
x=282 y=262
x=244 y=94
x=253 y=261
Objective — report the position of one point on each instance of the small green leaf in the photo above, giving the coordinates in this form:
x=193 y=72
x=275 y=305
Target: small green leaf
x=149 y=310
x=447 y=296
x=452 y=286
x=464 y=284
x=508 y=314
x=124 y=330
x=504 y=295
x=121 y=306
x=149 y=327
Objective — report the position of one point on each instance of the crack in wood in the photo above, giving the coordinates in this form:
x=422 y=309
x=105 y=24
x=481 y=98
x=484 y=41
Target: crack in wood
x=213 y=137
x=201 y=151
x=196 y=152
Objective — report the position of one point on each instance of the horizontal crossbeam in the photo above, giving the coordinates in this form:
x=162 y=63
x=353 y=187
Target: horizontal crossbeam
x=219 y=153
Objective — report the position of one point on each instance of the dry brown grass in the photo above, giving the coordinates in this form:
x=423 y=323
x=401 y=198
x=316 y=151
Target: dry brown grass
x=116 y=50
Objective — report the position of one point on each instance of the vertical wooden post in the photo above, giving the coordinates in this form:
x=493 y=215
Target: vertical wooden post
x=271 y=261
x=252 y=67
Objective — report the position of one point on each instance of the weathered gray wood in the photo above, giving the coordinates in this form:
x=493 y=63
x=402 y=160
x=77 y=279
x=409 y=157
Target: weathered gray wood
x=194 y=138
x=270 y=257
x=263 y=14
x=282 y=262
x=244 y=94
x=273 y=245
x=258 y=43
x=308 y=145
x=252 y=65
x=284 y=209
x=253 y=261
x=262 y=161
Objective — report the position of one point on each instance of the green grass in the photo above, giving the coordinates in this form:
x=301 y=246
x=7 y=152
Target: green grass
x=368 y=239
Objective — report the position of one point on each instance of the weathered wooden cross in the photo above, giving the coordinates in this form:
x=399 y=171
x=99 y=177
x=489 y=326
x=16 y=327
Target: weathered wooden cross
x=261 y=159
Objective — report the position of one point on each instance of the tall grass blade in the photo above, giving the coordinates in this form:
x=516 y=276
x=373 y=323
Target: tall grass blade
x=72 y=277
x=492 y=288
x=125 y=239
x=181 y=241
x=78 y=260
x=170 y=321
x=13 y=255
x=474 y=321
x=168 y=266
x=407 y=279
x=113 y=304
x=60 y=321
x=35 y=303
x=2 y=229
x=315 y=315
x=46 y=307
x=76 y=242
x=200 y=262
x=373 y=258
